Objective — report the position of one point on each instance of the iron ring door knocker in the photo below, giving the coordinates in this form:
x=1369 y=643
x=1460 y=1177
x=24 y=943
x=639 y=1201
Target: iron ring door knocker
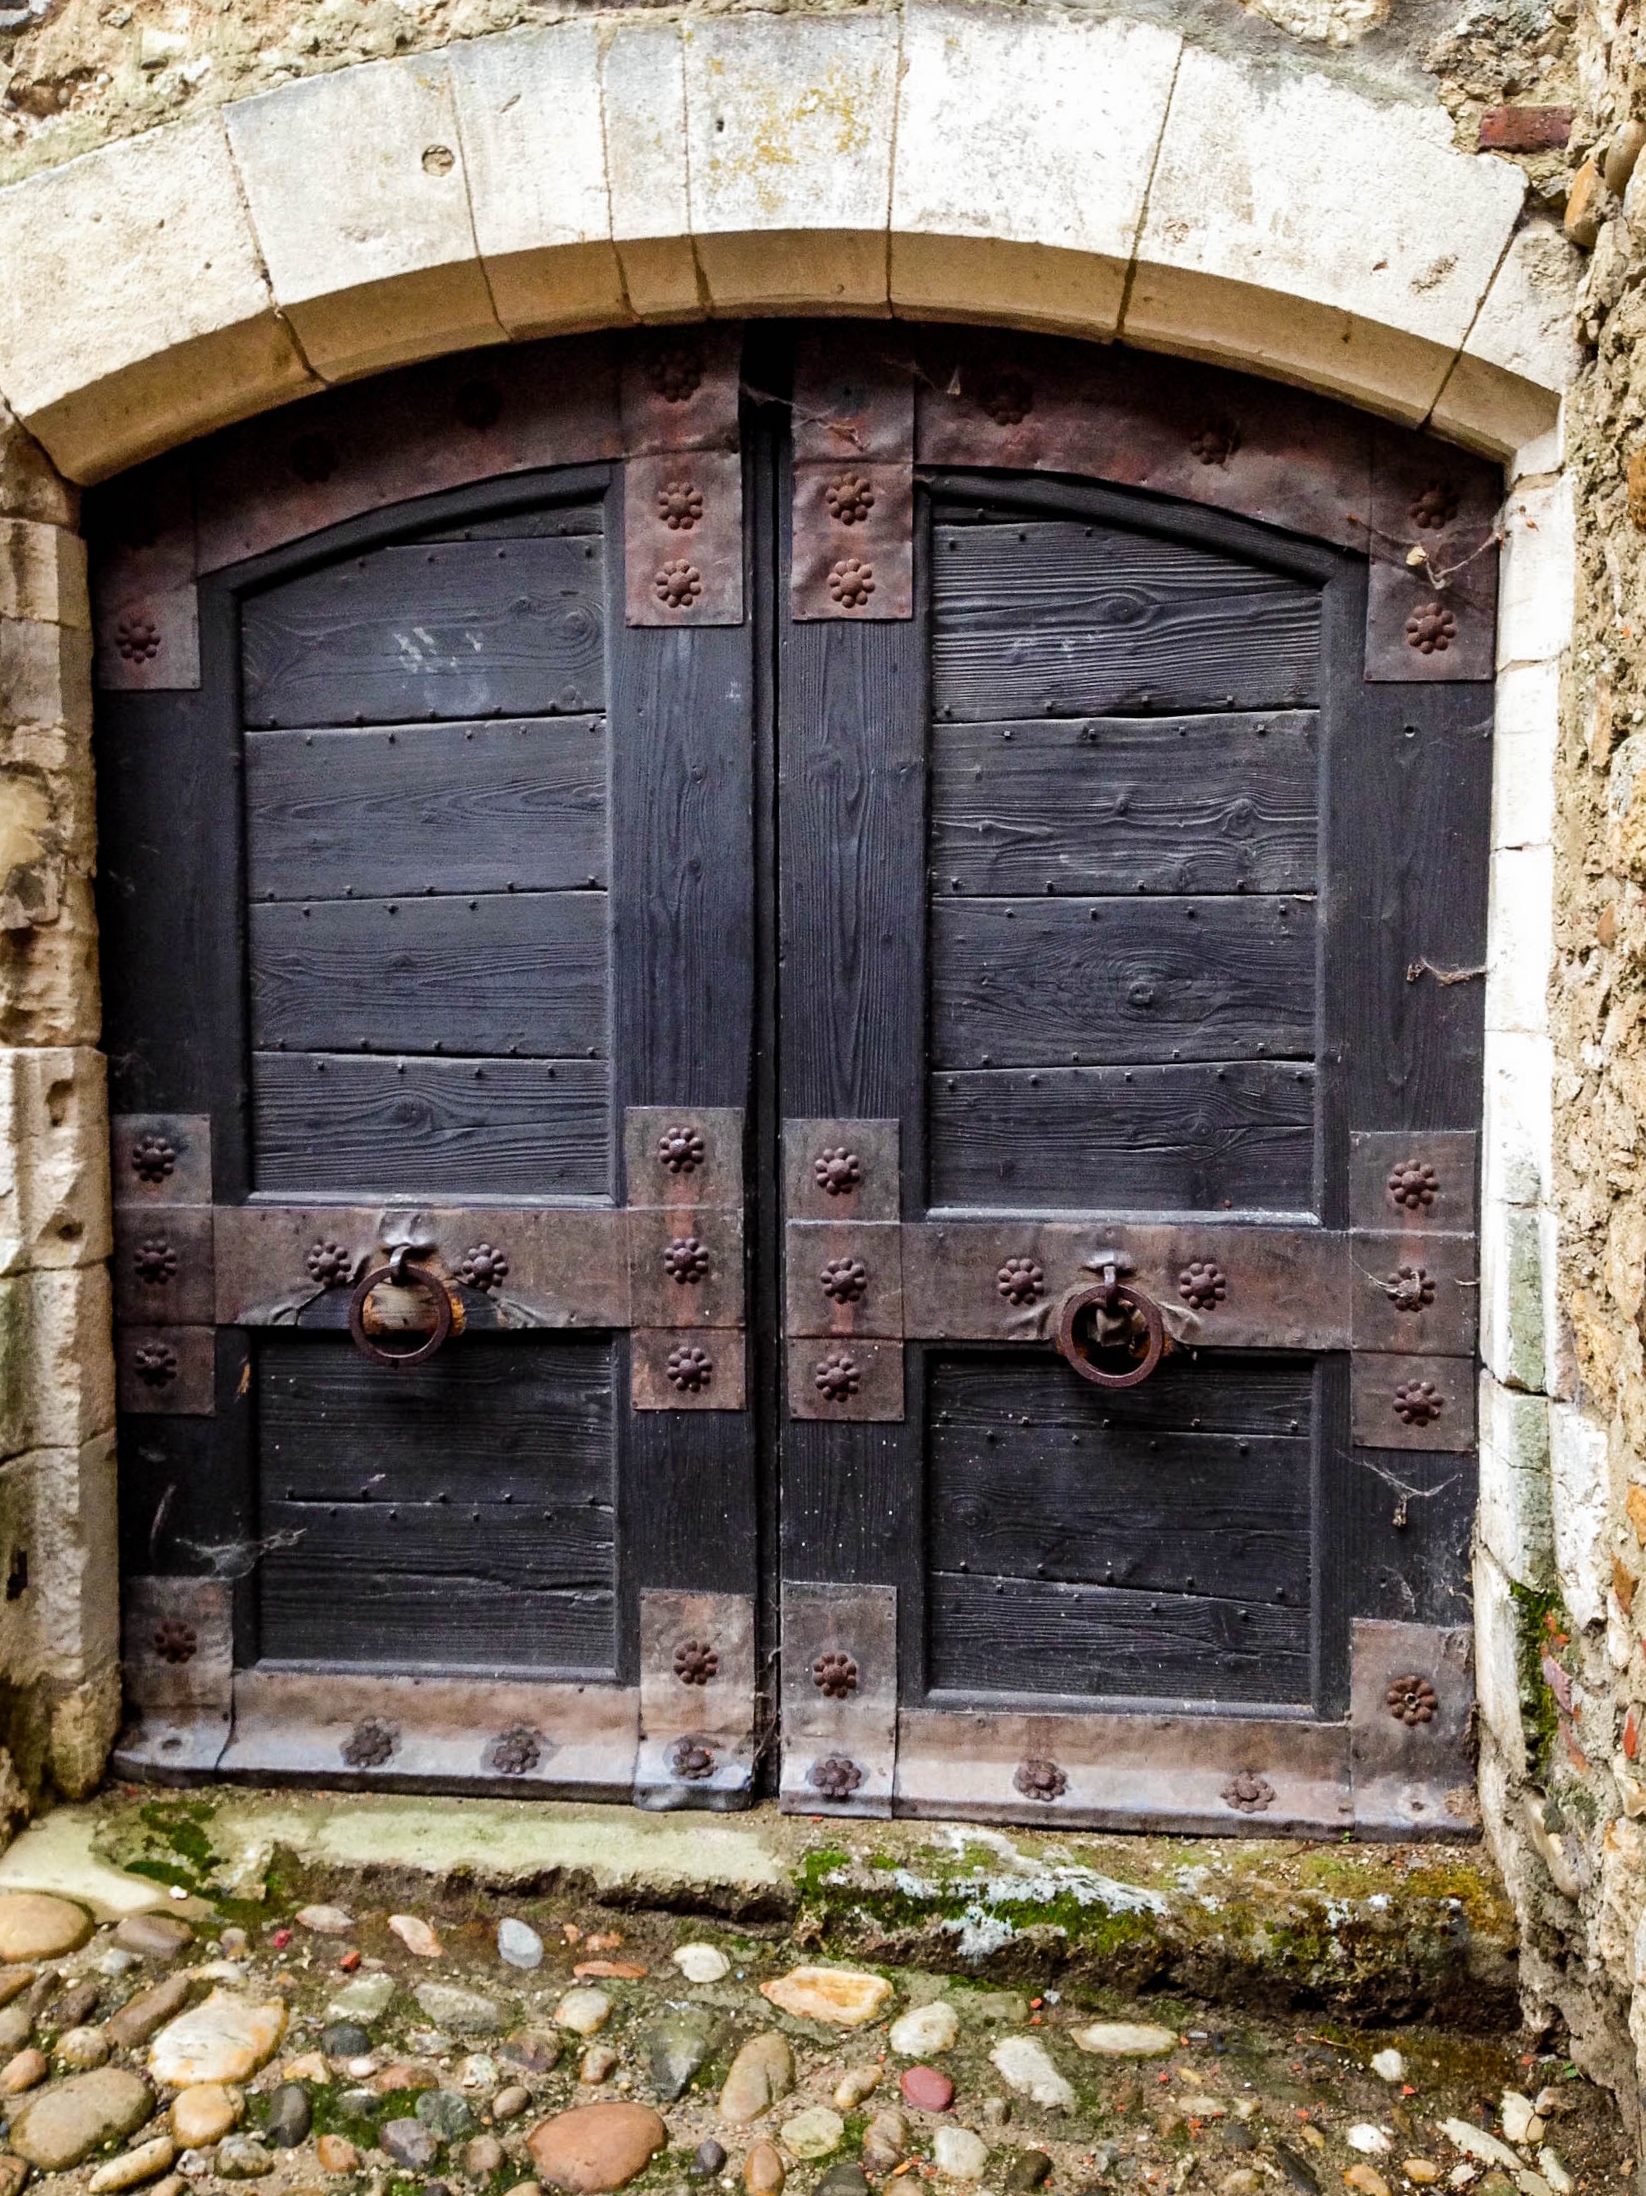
x=399 y=1274
x=1125 y=1319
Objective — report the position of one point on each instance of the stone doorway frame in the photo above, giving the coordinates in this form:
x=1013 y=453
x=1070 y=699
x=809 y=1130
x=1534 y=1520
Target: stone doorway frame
x=1098 y=178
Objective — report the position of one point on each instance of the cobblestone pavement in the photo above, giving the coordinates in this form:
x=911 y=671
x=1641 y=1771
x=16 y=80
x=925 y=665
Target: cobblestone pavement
x=477 y=2044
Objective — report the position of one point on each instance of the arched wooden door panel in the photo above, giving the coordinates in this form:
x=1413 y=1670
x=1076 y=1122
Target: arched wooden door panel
x=765 y=910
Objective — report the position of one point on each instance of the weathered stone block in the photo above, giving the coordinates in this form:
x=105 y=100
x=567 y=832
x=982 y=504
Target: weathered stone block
x=1515 y=1522
x=1292 y=223
x=59 y=1559
x=1580 y=1510
x=1497 y=1660
x=1537 y=574
x=1504 y=389
x=46 y=784
x=643 y=87
x=31 y=487
x=528 y=106
x=1517 y=1157
x=359 y=197
x=183 y=336
x=84 y=1723
x=54 y=1158
x=1024 y=147
x=70 y=1356
x=45 y=673
x=43 y=574
x=1520 y=928
x=1512 y=1326
x=789 y=144
x=48 y=975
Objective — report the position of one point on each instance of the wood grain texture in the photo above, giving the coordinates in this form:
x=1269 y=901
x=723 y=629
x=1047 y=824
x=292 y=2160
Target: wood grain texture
x=1160 y=1139
x=1411 y=836
x=332 y=1122
x=522 y=972
x=851 y=770
x=459 y=1515
x=518 y=804
x=1126 y=804
x=1053 y=981
x=682 y=866
x=446 y=629
x=1010 y=1635
x=1055 y=616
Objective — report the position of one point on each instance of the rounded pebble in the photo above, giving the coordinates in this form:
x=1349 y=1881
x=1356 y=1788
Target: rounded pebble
x=290 y=2116
x=337 y=2154
x=710 y=2159
x=934 y=2027
x=344 y=2040
x=960 y=2154
x=325 y=1921
x=584 y=2012
x=926 y=2089
x=416 y=1936
x=509 y=2103
x=813 y=2133
x=83 y=2047
x=702 y=1963
x=26 y=2071
x=599 y=2061
x=35 y=1926
x=859 y=2082
x=483 y=2157
x=205 y=2113
x=763 y=2171
x=518 y=1944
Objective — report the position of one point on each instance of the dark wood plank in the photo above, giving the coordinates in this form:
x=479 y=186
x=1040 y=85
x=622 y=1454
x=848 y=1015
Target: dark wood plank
x=538 y=1548
x=334 y=1610
x=517 y=805
x=446 y=629
x=851 y=771
x=1174 y=1512
x=1052 y=981
x=1056 y=616
x=1224 y=1392
x=528 y=1416
x=851 y=768
x=682 y=865
x=1411 y=834
x=423 y=1127
x=521 y=972
x=1126 y=804
x=1408 y=1517
x=1011 y=1635
x=1158 y=1139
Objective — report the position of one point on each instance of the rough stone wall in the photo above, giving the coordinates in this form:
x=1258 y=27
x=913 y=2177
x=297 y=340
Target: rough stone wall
x=59 y=1676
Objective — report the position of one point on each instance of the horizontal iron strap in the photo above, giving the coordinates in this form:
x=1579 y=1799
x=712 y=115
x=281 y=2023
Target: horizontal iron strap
x=523 y=1266
x=1229 y=1284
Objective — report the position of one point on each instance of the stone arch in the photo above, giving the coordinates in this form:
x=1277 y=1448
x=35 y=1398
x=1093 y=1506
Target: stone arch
x=1101 y=178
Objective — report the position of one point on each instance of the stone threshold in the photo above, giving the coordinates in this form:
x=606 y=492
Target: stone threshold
x=1369 y=1933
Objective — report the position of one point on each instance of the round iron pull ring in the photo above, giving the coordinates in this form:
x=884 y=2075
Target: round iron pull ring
x=401 y=1275
x=1110 y=1295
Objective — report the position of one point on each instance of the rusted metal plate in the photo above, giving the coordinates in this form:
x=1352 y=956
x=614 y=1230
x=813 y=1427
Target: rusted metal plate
x=839 y=1699
x=696 y=1700
x=510 y=409
x=1416 y=1293
x=841 y=1170
x=160 y=1158
x=568 y=1741
x=1224 y=1284
x=853 y=542
x=532 y=1265
x=146 y=616
x=1224 y=1776
x=1431 y=607
x=843 y=1277
x=1043 y=404
x=681 y=389
x=162 y=1266
x=1420 y=1181
x=166 y=1372
x=854 y=1379
x=686 y=1266
x=853 y=400
x=687 y=1369
x=1412 y=1402
x=177 y=1644
x=1411 y=1703
x=684 y=1156
x=177 y=1653
x=683 y=538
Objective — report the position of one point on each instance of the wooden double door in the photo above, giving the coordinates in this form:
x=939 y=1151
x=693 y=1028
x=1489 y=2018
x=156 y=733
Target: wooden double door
x=796 y=1046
